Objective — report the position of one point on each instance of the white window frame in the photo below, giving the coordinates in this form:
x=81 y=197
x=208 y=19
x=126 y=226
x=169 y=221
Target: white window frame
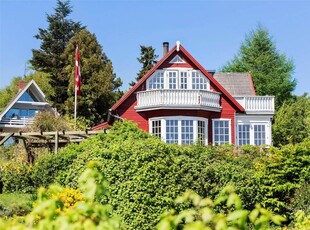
x=189 y=73
x=179 y=119
x=252 y=132
x=213 y=129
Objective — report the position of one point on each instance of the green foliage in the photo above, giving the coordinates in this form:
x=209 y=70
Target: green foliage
x=280 y=173
x=147 y=59
x=49 y=58
x=15 y=175
x=146 y=175
x=45 y=121
x=99 y=90
x=50 y=211
x=8 y=93
x=292 y=122
x=51 y=167
x=203 y=214
x=270 y=70
x=301 y=199
x=43 y=81
x=15 y=204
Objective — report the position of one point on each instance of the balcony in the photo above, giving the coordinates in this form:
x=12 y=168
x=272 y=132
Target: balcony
x=16 y=122
x=257 y=104
x=178 y=99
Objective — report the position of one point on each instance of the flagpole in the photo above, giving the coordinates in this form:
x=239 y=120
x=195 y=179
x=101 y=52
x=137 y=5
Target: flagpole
x=75 y=106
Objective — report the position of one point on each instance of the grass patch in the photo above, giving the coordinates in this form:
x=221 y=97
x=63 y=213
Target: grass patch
x=15 y=204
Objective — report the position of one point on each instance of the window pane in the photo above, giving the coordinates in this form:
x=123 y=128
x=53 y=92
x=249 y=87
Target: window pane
x=156 y=128
x=259 y=135
x=187 y=132
x=221 y=131
x=243 y=134
x=172 y=131
x=198 y=81
x=157 y=81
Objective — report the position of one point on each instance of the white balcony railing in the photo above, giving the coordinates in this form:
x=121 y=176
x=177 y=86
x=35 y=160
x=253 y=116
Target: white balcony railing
x=257 y=104
x=178 y=98
x=16 y=121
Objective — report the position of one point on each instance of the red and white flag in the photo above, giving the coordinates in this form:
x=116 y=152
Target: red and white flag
x=77 y=72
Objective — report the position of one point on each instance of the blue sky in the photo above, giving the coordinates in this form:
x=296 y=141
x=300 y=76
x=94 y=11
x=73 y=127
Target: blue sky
x=212 y=31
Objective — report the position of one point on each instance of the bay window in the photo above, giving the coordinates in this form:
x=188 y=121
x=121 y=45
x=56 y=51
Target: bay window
x=182 y=130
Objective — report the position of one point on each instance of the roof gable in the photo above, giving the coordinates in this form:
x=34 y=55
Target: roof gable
x=36 y=94
x=182 y=52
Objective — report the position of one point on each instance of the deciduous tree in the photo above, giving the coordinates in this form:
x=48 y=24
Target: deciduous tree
x=100 y=86
x=292 y=121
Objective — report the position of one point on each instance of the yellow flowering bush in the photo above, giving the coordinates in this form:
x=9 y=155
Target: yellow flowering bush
x=70 y=197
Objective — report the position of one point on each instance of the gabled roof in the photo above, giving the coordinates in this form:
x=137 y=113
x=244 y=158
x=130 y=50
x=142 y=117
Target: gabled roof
x=159 y=63
x=237 y=84
x=36 y=91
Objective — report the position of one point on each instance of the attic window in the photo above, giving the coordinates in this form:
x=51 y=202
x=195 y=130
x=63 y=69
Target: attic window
x=177 y=59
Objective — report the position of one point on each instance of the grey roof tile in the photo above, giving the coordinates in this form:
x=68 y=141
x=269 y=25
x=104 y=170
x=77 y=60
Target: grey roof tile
x=237 y=84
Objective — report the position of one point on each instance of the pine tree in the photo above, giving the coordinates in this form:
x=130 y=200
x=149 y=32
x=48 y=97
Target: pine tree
x=271 y=71
x=48 y=58
x=100 y=87
x=147 y=59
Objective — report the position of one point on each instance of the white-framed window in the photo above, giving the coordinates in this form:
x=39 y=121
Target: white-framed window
x=252 y=134
x=172 y=131
x=259 y=134
x=199 y=81
x=221 y=131
x=202 y=132
x=183 y=80
x=187 y=132
x=172 y=79
x=178 y=78
x=156 y=128
x=244 y=134
x=157 y=81
x=182 y=130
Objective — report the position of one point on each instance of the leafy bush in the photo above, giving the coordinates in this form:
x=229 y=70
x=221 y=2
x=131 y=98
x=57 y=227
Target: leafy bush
x=15 y=204
x=146 y=175
x=15 y=176
x=203 y=215
x=50 y=210
x=46 y=121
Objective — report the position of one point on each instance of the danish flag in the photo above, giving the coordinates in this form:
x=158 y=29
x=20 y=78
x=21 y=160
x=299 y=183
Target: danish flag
x=77 y=72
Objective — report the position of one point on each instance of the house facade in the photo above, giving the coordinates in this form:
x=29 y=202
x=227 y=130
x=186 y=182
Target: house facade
x=181 y=102
x=23 y=107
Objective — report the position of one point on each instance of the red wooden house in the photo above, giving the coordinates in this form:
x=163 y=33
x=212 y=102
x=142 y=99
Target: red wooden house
x=181 y=102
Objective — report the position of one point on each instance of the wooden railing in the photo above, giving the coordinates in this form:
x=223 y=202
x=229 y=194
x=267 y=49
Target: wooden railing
x=177 y=98
x=17 y=121
x=257 y=104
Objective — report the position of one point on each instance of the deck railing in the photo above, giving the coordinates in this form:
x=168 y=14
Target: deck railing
x=257 y=104
x=17 y=121
x=177 y=98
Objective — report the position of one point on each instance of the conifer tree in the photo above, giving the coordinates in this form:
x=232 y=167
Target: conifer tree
x=48 y=58
x=270 y=70
x=100 y=86
x=147 y=59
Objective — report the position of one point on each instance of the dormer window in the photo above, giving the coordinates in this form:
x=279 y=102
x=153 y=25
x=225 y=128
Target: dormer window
x=178 y=78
